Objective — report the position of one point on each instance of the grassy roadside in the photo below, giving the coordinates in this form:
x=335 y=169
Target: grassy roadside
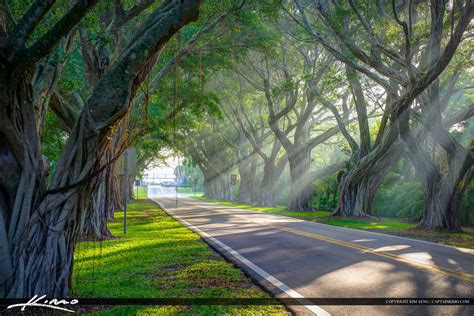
x=158 y=257
x=189 y=191
x=140 y=193
x=393 y=226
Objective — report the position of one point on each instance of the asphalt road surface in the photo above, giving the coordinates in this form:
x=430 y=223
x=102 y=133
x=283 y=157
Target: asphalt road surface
x=301 y=259
x=160 y=191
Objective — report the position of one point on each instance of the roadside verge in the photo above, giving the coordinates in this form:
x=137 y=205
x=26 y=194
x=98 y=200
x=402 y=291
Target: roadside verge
x=272 y=285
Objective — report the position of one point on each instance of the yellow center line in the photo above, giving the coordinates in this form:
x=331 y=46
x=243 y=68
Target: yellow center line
x=384 y=254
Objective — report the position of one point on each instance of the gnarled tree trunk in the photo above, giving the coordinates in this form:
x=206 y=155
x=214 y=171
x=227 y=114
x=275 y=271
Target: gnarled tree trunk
x=441 y=209
x=272 y=171
x=443 y=180
x=267 y=186
x=359 y=187
x=217 y=185
x=42 y=226
x=301 y=190
x=246 y=181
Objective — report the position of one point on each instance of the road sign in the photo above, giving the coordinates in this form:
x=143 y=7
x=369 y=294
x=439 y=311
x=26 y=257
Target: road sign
x=126 y=165
x=233 y=177
x=233 y=182
x=131 y=163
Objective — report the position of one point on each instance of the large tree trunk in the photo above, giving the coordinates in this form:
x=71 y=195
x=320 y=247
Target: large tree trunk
x=443 y=176
x=43 y=226
x=271 y=174
x=358 y=188
x=301 y=190
x=124 y=184
x=43 y=254
x=357 y=194
x=210 y=188
x=247 y=176
x=267 y=186
x=131 y=180
x=217 y=186
x=253 y=171
x=443 y=189
x=441 y=209
x=23 y=178
x=93 y=223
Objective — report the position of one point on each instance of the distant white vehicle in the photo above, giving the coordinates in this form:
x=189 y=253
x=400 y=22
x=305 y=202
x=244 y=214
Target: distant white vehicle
x=168 y=184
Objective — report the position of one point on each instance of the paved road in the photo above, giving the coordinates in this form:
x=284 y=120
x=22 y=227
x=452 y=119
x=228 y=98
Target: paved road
x=159 y=191
x=295 y=258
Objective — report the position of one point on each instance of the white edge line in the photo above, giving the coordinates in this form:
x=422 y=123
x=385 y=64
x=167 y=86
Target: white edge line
x=462 y=249
x=268 y=277
x=231 y=213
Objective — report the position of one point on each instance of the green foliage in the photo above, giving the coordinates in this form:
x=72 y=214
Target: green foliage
x=402 y=199
x=53 y=140
x=73 y=79
x=160 y=258
x=367 y=225
x=466 y=206
x=279 y=208
x=192 y=171
x=140 y=193
x=326 y=194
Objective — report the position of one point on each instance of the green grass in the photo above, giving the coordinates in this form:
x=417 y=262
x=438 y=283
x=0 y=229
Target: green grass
x=279 y=208
x=400 y=227
x=142 y=193
x=189 y=191
x=158 y=257
x=387 y=225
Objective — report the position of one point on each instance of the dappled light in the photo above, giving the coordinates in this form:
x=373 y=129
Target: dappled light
x=391 y=248
x=158 y=258
x=350 y=265
x=423 y=257
x=237 y=157
x=362 y=240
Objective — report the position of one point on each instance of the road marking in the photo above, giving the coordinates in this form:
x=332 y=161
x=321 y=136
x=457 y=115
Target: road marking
x=447 y=271
x=453 y=273
x=462 y=249
x=268 y=277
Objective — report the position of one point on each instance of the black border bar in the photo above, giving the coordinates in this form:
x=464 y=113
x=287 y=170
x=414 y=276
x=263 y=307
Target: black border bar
x=253 y=301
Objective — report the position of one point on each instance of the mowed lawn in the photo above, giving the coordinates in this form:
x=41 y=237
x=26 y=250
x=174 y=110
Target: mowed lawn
x=394 y=226
x=159 y=258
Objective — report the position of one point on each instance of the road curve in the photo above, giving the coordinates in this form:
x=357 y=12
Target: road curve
x=316 y=261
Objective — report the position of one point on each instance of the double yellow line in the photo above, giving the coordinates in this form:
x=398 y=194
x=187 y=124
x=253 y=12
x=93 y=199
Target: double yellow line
x=388 y=255
x=384 y=254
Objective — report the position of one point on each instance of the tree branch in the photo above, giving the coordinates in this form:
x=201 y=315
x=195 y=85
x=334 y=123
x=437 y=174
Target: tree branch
x=48 y=41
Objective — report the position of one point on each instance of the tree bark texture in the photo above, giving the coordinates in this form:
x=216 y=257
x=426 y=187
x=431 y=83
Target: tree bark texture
x=42 y=225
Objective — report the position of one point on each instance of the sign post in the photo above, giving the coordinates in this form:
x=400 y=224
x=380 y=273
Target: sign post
x=125 y=189
x=126 y=166
x=195 y=181
x=233 y=181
